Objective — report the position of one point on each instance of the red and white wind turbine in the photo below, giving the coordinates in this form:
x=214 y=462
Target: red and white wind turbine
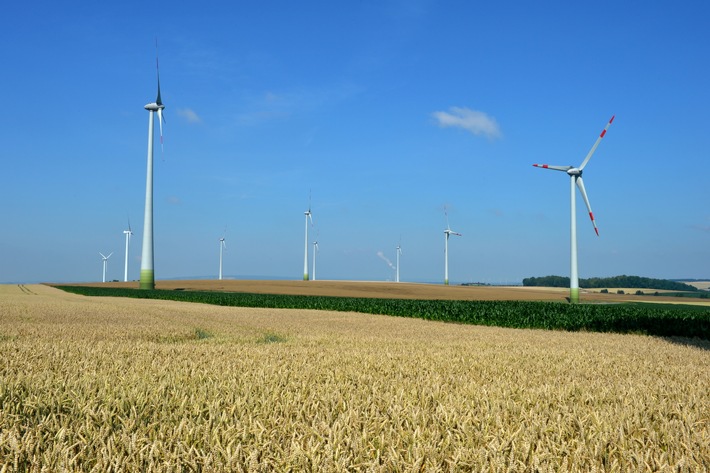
x=575 y=174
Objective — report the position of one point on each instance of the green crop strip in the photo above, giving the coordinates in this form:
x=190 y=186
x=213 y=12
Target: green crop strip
x=680 y=321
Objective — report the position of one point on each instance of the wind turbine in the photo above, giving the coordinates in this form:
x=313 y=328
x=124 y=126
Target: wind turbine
x=147 y=279
x=399 y=252
x=308 y=215
x=315 y=250
x=222 y=246
x=105 y=258
x=575 y=174
x=447 y=232
x=128 y=234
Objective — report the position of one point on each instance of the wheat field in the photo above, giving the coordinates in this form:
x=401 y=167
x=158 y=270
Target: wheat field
x=113 y=384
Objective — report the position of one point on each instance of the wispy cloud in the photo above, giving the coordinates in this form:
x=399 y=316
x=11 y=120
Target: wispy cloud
x=189 y=115
x=474 y=121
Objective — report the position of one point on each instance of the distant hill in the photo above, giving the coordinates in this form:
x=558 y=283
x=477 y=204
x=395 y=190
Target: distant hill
x=615 y=281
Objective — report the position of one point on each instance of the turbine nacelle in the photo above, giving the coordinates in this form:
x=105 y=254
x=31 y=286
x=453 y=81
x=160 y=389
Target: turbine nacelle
x=154 y=107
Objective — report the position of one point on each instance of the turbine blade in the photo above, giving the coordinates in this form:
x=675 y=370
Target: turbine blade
x=594 y=148
x=160 y=120
x=555 y=168
x=580 y=185
x=157 y=70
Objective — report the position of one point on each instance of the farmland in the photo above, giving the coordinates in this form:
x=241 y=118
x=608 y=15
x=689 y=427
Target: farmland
x=115 y=384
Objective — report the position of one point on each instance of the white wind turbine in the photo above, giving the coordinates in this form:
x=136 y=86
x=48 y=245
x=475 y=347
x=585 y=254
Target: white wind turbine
x=447 y=232
x=575 y=174
x=315 y=250
x=105 y=259
x=128 y=234
x=222 y=246
x=305 y=256
x=147 y=277
x=399 y=252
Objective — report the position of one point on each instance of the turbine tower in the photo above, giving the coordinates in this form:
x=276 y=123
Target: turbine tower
x=575 y=174
x=222 y=246
x=147 y=279
x=315 y=250
x=399 y=252
x=128 y=234
x=305 y=256
x=447 y=232
x=105 y=259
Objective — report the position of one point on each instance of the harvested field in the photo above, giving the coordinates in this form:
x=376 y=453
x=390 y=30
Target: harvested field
x=395 y=290
x=117 y=384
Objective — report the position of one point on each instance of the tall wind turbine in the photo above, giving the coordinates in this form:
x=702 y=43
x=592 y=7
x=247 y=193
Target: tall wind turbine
x=222 y=246
x=128 y=234
x=399 y=252
x=105 y=258
x=305 y=256
x=575 y=174
x=147 y=279
x=447 y=232
x=315 y=250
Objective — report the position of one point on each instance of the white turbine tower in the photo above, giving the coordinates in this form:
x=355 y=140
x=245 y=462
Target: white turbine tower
x=315 y=250
x=399 y=252
x=575 y=174
x=222 y=246
x=147 y=278
x=447 y=232
x=305 y=256
x=128 y=234
x=105 y=259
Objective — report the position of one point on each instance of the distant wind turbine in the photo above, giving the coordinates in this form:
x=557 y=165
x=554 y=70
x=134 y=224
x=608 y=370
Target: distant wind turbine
x=305 y=256
x=105 y=259
x=128 y=234
x=315 y=250
x=147 y=278
x=447 y=232
x=399 y=252
x=222 y=246
x=575 y=174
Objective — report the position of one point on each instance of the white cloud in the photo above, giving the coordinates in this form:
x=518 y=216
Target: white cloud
x=189 y=115
x=473 y=121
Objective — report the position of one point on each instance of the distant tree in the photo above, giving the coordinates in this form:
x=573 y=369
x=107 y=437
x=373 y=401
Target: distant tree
x=604 y=291
x=635 y=282
x=620 y=291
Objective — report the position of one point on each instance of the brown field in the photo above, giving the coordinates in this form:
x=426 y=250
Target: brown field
x=119 y=384
x=401 y=290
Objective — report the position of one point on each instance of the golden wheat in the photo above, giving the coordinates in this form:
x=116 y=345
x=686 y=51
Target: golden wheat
x=109 y=384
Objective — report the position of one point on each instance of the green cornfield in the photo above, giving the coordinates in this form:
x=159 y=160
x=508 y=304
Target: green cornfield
x=123 y=384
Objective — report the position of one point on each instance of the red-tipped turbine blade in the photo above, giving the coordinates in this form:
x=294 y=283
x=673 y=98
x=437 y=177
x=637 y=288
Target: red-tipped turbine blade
x=555 y=168
x=594 y=148
x=580 y=185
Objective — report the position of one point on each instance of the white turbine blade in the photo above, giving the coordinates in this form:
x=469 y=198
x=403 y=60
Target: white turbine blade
x=102 y=255
x=109 y=255
x=310 y=216
x=580 y=185
x=594 y=148
x=160 y=121
x=554 y=168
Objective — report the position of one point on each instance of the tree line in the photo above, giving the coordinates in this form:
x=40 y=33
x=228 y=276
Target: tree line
x=614 y=281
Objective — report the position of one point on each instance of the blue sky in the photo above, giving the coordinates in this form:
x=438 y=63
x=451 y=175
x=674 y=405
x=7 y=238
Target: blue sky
x=384 y=111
